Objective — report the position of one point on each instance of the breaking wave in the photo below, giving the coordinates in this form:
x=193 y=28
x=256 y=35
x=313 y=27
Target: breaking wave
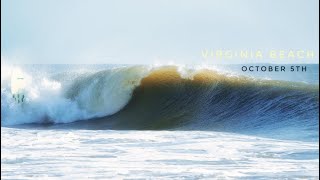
x=165 y=97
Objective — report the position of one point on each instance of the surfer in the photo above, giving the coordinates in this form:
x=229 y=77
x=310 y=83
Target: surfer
x=18 y=85
x=18 y=98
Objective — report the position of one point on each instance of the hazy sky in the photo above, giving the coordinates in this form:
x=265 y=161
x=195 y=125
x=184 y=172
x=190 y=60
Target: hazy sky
x=144 y=31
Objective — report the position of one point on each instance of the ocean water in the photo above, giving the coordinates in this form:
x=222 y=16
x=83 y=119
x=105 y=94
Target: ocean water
x=158 y=122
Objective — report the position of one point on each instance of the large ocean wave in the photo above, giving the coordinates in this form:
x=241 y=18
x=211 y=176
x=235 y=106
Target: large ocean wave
x=162 y=97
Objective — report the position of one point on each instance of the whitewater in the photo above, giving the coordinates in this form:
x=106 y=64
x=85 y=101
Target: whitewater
x=159 y=122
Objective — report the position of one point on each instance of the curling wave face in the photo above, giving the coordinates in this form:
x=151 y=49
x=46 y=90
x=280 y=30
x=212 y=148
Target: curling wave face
x=166 y=97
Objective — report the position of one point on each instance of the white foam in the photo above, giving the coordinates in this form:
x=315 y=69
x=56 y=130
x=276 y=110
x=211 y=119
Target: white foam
x=78 y=154
x=96 y=94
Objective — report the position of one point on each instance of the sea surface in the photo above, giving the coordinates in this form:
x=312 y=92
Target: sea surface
x=158 y=122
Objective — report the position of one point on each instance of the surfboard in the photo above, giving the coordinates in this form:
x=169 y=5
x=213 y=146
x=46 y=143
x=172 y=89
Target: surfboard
x=18 y=84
